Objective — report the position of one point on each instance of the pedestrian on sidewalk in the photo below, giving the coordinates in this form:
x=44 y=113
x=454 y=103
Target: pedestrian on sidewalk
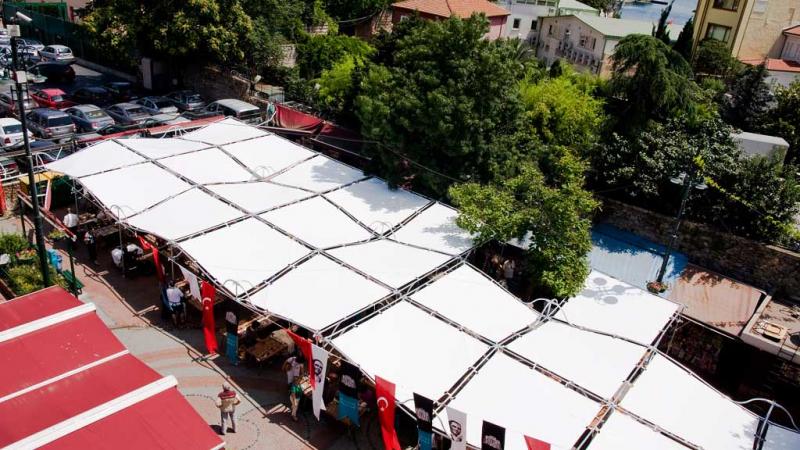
x=91 y=246
x=176 y=305
x=226 y=402
x=295 y=395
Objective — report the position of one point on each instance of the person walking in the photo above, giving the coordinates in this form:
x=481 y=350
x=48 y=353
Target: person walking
x=295 y=394
x=226 y=402
x=91 y=246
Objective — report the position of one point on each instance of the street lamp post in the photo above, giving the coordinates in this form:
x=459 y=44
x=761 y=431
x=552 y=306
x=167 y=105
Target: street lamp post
x=688 y=181
x=37 y=217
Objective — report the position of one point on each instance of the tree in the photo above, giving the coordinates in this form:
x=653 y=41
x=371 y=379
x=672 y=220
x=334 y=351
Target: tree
x=654 y=79
x=321 y=52
x=554 y=209
x=441 y=97
x=660 y=31
x=714 y=58
x=354 y=9
x=750 y=97
x=602 y=5
x=784 y=119
x=683 y=45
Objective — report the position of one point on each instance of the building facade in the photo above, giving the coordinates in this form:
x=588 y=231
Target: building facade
x=586 y=42
x=753 y=29
x=523 y=21
x=444 y=9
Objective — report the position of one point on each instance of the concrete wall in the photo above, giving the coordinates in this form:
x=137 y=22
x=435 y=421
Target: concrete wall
x=579 y=56
x=526 y=14
x=764 y=266
x=761 y=34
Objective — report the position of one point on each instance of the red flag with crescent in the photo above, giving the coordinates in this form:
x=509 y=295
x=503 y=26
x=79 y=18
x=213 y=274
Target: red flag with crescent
x=384 y=391
x=305 y=347
x=209 y=292
x=156 y=262
x=535 y=444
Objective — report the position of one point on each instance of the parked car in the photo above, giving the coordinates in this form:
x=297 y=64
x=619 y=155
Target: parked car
x=50 y=124
x=8 y=168
x=51 y=98
x=187 y=100
x=231 y=107
x=30 y=43
x=5 y=38
x=157 y=105
x=128 y=113
x=44 y=152
x=56 y=53
x=10 y=133
x=122 y=91
x=93 y=95
x=8 y=102
x=54 y=71
x=89 y=118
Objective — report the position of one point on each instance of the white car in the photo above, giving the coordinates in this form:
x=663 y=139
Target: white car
x=5 y=38
x=10 y=132
x=56 y=53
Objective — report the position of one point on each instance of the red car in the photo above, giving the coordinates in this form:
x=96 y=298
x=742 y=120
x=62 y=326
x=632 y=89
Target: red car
x=51 y=98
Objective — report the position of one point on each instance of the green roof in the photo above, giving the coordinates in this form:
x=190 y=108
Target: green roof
x=609 y=26
x=575 y=5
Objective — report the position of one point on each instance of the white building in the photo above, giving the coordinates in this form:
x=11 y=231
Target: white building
x=525 y=15
x=754 y=144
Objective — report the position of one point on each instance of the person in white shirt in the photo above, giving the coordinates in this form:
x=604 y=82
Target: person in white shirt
x=71 y=221
x=135 y=249
x=176 y=305
x=293 y=368
x=116 y=256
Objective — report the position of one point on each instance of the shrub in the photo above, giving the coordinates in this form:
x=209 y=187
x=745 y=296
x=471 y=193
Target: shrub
x=26 y=278
x=11 y=243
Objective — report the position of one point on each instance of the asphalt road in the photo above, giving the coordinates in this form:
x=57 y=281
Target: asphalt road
x=83 y=77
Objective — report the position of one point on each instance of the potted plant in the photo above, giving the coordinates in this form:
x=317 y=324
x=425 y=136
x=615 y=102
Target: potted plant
x=657 y=287
x=56 y=235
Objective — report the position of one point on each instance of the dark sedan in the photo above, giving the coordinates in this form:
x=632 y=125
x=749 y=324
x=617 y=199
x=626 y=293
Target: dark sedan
x=89 y=117
x=128 y=113
x=92 y=95
x=54 y=71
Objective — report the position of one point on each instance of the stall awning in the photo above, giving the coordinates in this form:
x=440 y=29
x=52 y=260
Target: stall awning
x=621 y=432
x=67 y=382
x=372 y=203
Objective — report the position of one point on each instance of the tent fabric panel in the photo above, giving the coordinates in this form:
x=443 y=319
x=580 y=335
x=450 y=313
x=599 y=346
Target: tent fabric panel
x=257 y=196
x=318 y=293
x=319 y=174
x=106 y=155
x=165 y=420
x=568 y=352
x=207 y=166
x=469 y=298
x=607 y=305
x=268 y=154
x=436 y=228
x=392 y=263
x=184 y=214
x=675 y=400
x=525 y=402
x=247 y=252
x=621 y=432
x=224 y=132
x=52 y=351
x=302 y=220
x=63 y=399
x=415 y=351
x=133 y=188
x=34 y=306
x=780 y=438
x=375 y=205
x=162 y=147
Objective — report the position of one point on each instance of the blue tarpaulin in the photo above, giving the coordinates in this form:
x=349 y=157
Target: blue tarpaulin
x=631 y=258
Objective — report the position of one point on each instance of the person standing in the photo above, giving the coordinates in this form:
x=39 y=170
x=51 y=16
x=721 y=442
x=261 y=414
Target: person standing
x=91 y=245
x=176 y=305
x=293 y=367
x=509 y=267
x=71 y=221
x=295 y=394
x=226 y=402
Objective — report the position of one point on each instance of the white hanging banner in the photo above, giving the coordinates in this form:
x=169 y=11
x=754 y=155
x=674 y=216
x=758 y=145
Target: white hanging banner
x=318 y=365
x=194 y=286
x=457 y=425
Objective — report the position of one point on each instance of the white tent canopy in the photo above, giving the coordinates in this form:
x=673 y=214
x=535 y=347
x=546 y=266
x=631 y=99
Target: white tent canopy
x=780 y=438
x=268 y=155
x=408 y=347
x=319 y=174
x=472 y=300
x=611 y=306
x=621 y=432
x=507 y=393
x=373 y=204
x=104 y=156
x=675 y=400
x=161 y=148
x=224 y=132
x=568 y=352
x=436 y=229
x=318 y=293
x=207 y=166
x=257 y=196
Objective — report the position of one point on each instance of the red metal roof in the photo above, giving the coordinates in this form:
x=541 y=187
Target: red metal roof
x=68 y=382
x=794 y=31
x=447 y=8
x=782 y=65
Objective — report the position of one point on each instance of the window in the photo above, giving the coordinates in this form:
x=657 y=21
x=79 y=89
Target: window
x=515 y=25
x=718 y=32
x=583 y=40
x=731 y=5
x=533 y=25
x=550 y=30
x=594 y=43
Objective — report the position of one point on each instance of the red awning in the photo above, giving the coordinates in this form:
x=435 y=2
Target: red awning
x=68 y=382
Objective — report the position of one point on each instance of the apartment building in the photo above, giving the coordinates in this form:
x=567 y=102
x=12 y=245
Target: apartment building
x=523 y=21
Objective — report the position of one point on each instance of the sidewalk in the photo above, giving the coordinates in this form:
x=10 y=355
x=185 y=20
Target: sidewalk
x=263 y=420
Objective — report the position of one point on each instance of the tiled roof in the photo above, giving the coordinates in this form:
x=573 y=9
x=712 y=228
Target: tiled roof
x=782 y=65
x=794 y=31
x=447 y=8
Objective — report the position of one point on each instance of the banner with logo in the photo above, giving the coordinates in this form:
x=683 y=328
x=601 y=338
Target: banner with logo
x=457 y=426
x=535 y=444
x=493 y=437
x=423 y=409
x=318 y=364
x=348 y=392
x=209 y=293
x=232 y=341
x=384 y=391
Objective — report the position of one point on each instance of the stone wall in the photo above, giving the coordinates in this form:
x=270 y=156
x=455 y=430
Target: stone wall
x=215 y=83
x=770 y=268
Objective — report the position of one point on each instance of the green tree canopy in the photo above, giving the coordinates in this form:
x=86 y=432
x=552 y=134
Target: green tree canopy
x=660 y=30
x=320 y=52
x=784 y=119
x=714 y=58
x=683 y=45
x=750 y=98
x=443 y=95
x=354 y=9
x=555 y=210
x=654 y=79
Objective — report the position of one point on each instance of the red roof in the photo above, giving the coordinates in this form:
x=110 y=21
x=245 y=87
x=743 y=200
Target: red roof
x=53 y=91
x=447 y=8
x=70 y=383
x=782 y=65
x=794 y=31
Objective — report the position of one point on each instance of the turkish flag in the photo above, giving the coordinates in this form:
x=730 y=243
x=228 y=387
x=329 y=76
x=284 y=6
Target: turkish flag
x=535 y=444
x=209 y=292
x=384 y=391
x=156 y=262
x=305 y=347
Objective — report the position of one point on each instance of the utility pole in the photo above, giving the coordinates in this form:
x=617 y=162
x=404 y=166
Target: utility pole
x=37 y=216
x=688 y=184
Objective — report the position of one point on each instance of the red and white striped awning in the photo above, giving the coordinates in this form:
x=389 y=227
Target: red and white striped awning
x=68 y=382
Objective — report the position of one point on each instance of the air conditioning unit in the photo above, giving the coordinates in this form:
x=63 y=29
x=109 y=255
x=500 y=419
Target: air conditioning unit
x=774 y=332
